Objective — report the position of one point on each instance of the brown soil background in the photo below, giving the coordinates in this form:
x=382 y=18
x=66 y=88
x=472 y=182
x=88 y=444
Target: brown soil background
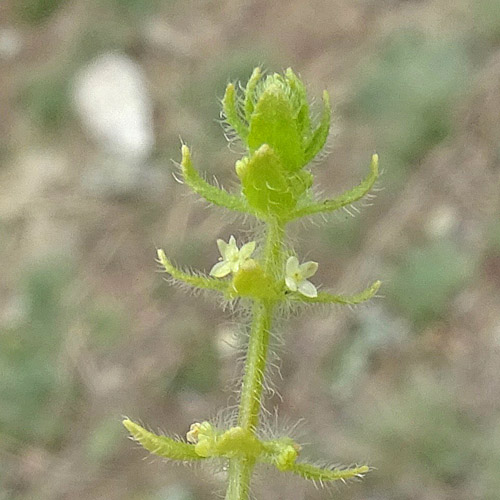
x=90 y=331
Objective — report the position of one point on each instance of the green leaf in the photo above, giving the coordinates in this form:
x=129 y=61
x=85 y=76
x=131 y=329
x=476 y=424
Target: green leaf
x=197 y=281
x=328 y=298
x=162 y=446
x=344 y=199
x=233 y=113
x=250 y=92
x=273 y=124
x=211 y=193
x=299 y=104
x=321 y=132
x=264 y=183
x=314 y=473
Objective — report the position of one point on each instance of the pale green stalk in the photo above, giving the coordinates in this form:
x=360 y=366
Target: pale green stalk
x=272 y=119
x=240 y=471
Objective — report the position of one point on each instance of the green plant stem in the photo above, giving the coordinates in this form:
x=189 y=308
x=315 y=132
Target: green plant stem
x=249 y=409
x=240 y=470
x=239 y=476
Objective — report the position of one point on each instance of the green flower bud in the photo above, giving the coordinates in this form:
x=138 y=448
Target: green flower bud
x=252 y=281
x=274 y=122
x=275 y=111
x=265 y=183
x=272 y=118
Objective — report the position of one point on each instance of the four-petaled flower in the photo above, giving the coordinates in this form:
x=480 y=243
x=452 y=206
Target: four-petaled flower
x=231 y=258
x=296 y=276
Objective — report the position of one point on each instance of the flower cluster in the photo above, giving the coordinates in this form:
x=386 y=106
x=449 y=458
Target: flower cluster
x=281 y=137
x=233 y=259
x=296 y=276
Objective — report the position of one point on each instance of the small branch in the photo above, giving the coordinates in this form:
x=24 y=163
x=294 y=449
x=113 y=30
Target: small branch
x=328 y=298
x=230 y=107
x=211 y=193
x=320 y=135
x=347 y=198
x=314 y=473
x=193 y=280
x=162 y=446
x=250 y=92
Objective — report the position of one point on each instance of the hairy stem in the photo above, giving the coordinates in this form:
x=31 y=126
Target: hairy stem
x=240 y=473
x=240 y=470
x=255 y=366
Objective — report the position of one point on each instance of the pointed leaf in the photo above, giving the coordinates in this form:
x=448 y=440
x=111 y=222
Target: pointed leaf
x=197 y=281
x=264 y=183
x=272 y=123
x=211 y=193
x=328 y=298
x=162 y=446
x=232 y=113
x=314 y=473
x=301 y=106
x=344 y=199
x=250 y=92
x=320 y=135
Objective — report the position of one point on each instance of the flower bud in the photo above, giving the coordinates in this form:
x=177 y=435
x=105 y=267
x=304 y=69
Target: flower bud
x=252 y=281
x=264 y=182
x=273 y=120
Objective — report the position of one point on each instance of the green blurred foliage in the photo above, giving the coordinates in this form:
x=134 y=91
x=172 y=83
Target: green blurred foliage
x=487 y=19
x=46 y=101
x=342 y=236
x=113 y=35
x=422 y=432
x=107 y=323
x=426 y=280
x=200 y=372
x=350 y=362
x=34 y=389
x=5 y=153
x=494 y=235
x=410 y=93
x=104 y=441
x=36 y=11
x=37 y=393
x=137 y=8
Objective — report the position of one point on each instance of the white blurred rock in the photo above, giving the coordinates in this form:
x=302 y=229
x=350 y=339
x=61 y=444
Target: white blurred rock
x=10 y=43
x=111 y=97
x=441 y=221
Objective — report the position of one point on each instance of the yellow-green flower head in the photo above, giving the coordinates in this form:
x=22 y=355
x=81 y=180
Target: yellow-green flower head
x=252 y=281
x=231 y=258
x=272 y=119
x=274 y=111
x=296 y=276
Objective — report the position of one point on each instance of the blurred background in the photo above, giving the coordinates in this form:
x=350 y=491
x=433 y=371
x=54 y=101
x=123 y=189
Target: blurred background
x=94 y=95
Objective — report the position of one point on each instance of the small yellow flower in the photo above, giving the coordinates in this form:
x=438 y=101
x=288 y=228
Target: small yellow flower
x=192 y=435
x=231 y=258
x=199 y=431
x=296 y=276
